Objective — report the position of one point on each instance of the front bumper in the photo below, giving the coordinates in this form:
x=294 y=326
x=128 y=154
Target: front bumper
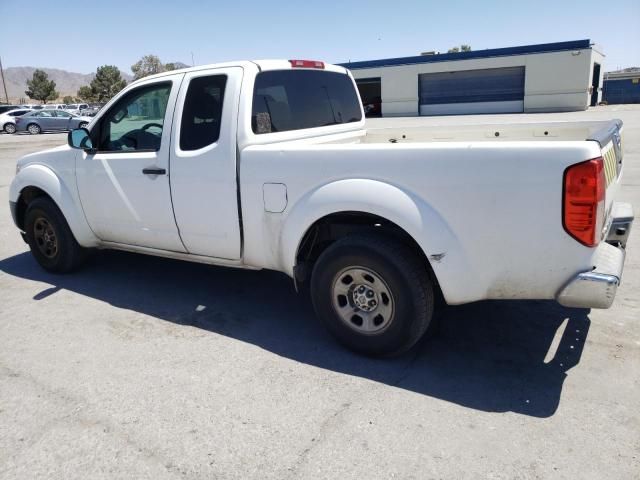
x=597 y=287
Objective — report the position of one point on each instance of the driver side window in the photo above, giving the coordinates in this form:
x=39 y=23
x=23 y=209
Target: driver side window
x=135 y=123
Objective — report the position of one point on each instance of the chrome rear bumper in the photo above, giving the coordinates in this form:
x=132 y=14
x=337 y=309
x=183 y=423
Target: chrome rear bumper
x=597 y=287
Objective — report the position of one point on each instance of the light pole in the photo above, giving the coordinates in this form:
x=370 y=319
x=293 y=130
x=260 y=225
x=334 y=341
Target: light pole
x=4 y=85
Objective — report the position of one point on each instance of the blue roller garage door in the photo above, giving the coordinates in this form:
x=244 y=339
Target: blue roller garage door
x=625 y=90
x=491 y=90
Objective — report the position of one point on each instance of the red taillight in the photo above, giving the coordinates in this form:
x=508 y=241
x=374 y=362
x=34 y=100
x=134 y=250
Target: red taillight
x=306 y=64
x=583 y=201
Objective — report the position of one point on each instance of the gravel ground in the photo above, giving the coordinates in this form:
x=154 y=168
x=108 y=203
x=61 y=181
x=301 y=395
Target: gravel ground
x=139 y=367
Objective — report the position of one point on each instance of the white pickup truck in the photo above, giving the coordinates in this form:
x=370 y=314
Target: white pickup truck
x=268 y=164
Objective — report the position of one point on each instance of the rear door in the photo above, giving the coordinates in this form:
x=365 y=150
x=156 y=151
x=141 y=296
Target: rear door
x=47 y=119
x=203 y=163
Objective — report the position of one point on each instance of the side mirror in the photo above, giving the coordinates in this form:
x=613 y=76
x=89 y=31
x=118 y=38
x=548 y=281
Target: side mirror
x=79 y=138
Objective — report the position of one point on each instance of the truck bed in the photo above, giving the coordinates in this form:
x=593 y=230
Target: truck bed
x=549 y=131
x=489 y=203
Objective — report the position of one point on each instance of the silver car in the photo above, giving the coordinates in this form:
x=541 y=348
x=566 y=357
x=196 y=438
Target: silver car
x=39 y=121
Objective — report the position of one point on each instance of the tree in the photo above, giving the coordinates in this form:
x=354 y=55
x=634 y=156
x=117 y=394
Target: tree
x=107 y=82
x=40 y=87
x=147 y=65
x=461 y=48
x=85 y=94
x=68 y=99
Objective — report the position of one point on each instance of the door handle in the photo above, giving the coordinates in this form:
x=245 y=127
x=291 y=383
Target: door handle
x=154 y=171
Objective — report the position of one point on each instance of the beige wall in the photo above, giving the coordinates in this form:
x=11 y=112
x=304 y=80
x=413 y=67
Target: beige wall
x=555 y=81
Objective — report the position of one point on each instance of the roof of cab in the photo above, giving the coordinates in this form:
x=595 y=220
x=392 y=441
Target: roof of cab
x=262 y=65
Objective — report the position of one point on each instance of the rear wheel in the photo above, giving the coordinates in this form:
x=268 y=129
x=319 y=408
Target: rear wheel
x=34 y=129
x=373 y=293
x=10 y=127
x=50 y=239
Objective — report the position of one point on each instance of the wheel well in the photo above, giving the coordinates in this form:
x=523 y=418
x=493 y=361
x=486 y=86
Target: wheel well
x=27 y=195
x=328 y=229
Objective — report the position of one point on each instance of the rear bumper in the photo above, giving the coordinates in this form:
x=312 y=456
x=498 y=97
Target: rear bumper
x=597 y=288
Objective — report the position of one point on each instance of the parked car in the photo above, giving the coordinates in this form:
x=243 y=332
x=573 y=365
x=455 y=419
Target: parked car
x=271 y=166
x=373 y=108
x=7 y=108
x=90 y=112
x=77 y=108
x=38 y=121
x=8 y=121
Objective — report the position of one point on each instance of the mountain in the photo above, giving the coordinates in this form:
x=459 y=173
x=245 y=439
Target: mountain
x=67 y=83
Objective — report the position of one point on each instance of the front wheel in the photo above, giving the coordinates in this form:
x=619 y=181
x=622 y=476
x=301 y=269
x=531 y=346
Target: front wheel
x=373 y=293
x=10 y=127
x=50 y=239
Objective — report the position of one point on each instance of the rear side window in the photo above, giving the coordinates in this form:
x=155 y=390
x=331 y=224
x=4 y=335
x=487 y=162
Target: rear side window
x=202 y=112
x=295 y=99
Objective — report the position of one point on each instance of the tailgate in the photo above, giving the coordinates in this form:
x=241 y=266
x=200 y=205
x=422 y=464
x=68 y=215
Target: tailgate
x=610 y=140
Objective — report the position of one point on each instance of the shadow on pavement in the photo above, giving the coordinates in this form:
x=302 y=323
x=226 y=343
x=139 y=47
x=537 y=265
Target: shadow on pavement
x=488 y=356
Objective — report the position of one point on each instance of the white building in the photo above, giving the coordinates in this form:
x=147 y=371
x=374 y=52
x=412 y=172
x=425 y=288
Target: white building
x=551 y=77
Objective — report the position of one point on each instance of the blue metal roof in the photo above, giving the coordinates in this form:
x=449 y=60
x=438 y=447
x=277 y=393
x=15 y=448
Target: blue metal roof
x=493 y=52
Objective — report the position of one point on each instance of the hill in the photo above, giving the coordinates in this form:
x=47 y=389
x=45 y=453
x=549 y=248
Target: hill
x=67 y=83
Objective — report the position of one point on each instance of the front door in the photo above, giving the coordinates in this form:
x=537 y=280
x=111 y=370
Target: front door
x=63 y=119
x=124 y=186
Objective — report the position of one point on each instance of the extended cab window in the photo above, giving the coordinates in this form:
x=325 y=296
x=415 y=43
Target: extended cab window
x=135 y=123
x=202 y=112
x=294 y=99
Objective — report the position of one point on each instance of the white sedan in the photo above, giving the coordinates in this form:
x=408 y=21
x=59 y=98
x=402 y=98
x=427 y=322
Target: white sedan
x=7 y=119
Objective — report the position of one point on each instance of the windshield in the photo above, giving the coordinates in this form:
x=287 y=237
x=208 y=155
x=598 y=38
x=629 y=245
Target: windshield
x=295 y=99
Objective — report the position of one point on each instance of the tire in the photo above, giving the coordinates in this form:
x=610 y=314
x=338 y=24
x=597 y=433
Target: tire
x=9 y=128
x=34 y=129
x=50 y=239
x=341 y=285
x=83 y=124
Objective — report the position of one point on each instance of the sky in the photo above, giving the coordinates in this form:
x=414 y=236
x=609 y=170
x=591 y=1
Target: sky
x=79 y=36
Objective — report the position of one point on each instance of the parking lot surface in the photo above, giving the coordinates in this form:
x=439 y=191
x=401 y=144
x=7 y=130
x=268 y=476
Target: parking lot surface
x=140 y=367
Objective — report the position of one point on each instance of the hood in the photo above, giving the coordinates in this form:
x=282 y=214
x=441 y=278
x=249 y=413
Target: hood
x=47 y=157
